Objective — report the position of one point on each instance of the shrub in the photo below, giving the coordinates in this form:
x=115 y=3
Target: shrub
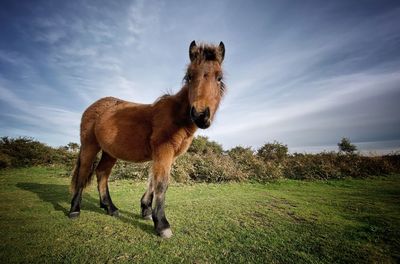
x=205 y=161
x=183 y=168
x=372 y=166
x=25 y=151
x=64 y=157
x=201 y=145
x=215 y=168
x=394 y=162
x=244 y=157
x=5 y=160
x=255 y=167
x=336 y=165
x=72 y=146
x=188 y=167
x=346 y=146
x=130 y=170
x=275 y=151
x=309 y=166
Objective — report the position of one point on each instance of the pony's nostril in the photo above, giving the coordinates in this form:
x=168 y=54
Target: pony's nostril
x=207 y=113
x=204 y=115
x=193 y=113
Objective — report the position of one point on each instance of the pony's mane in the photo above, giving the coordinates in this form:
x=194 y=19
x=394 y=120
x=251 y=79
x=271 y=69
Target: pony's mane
x=207 y=52
x=162 y=97
x=168 y=94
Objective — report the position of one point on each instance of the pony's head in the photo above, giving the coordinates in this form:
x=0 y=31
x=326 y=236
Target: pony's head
x=204 y=80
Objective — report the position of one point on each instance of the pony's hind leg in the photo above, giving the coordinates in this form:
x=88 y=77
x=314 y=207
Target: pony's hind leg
x=81 y=176
x=147 y=199
x=75 y=210
x=103 y=172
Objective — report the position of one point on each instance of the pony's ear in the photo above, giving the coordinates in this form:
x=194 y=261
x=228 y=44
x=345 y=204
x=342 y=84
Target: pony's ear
x=192 y=51
x=221 y=49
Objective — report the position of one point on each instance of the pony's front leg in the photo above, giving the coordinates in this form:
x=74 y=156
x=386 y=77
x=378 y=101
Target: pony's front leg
x=161 y=169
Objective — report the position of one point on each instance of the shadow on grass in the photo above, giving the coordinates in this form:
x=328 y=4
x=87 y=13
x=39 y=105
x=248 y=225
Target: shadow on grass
x=57 y=194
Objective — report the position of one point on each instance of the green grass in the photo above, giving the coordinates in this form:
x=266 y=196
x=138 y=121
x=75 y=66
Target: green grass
x=343 y=221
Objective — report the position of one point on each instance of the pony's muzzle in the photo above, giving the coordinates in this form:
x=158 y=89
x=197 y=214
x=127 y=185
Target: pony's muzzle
x=201 y=119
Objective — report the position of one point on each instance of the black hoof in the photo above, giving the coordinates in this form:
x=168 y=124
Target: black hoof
x=147 y=217
x=147 y=212
x=114 y=213
x=105 y=207
x=74 y=215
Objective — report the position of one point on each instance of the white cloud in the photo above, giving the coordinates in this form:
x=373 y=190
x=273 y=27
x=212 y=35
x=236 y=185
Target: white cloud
x=61 y=121
x=142 y=16
x=334 y=92
x=281 y=69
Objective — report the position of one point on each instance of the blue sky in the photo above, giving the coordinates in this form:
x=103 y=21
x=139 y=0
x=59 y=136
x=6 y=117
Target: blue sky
x=305 y=73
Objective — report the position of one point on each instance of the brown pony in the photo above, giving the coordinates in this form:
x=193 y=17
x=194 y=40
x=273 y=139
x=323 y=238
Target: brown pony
x=142 y=132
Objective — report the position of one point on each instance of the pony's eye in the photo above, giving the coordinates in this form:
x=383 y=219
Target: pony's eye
x=219 y=78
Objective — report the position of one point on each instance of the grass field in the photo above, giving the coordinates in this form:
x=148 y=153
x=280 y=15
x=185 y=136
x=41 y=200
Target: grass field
x=344 y=221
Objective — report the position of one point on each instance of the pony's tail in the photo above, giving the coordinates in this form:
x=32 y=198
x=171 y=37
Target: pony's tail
x=78 y=180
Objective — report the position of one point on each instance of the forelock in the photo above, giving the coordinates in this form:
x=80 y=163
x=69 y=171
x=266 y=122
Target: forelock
x=207 y=53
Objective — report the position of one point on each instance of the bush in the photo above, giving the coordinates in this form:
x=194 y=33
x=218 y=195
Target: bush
x=206 y=162
x=201 y=145
x=357 y=166
x=23 y=152
x=273 y=152
x=251 y=164
x=215 y=168
x=393 y=160
x=188 y=167
x=312 y=166
x=183 y=168
x=336 y=165
x=130 y=170
x=372 y=166
x=346 y=146
x=5 y=160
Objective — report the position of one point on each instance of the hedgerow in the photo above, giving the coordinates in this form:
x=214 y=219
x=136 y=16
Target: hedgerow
x=206 y=161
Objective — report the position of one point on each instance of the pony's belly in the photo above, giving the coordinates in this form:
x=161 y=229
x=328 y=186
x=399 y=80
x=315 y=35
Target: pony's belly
x=136 y=151
x=129 y=141
x=132 y=155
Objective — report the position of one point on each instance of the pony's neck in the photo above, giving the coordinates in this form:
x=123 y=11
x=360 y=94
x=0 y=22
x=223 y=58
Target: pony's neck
x=182 y=108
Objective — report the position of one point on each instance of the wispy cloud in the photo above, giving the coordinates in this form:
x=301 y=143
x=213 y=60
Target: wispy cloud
x=44 y=118
x=305 y=74
x=334 y=93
